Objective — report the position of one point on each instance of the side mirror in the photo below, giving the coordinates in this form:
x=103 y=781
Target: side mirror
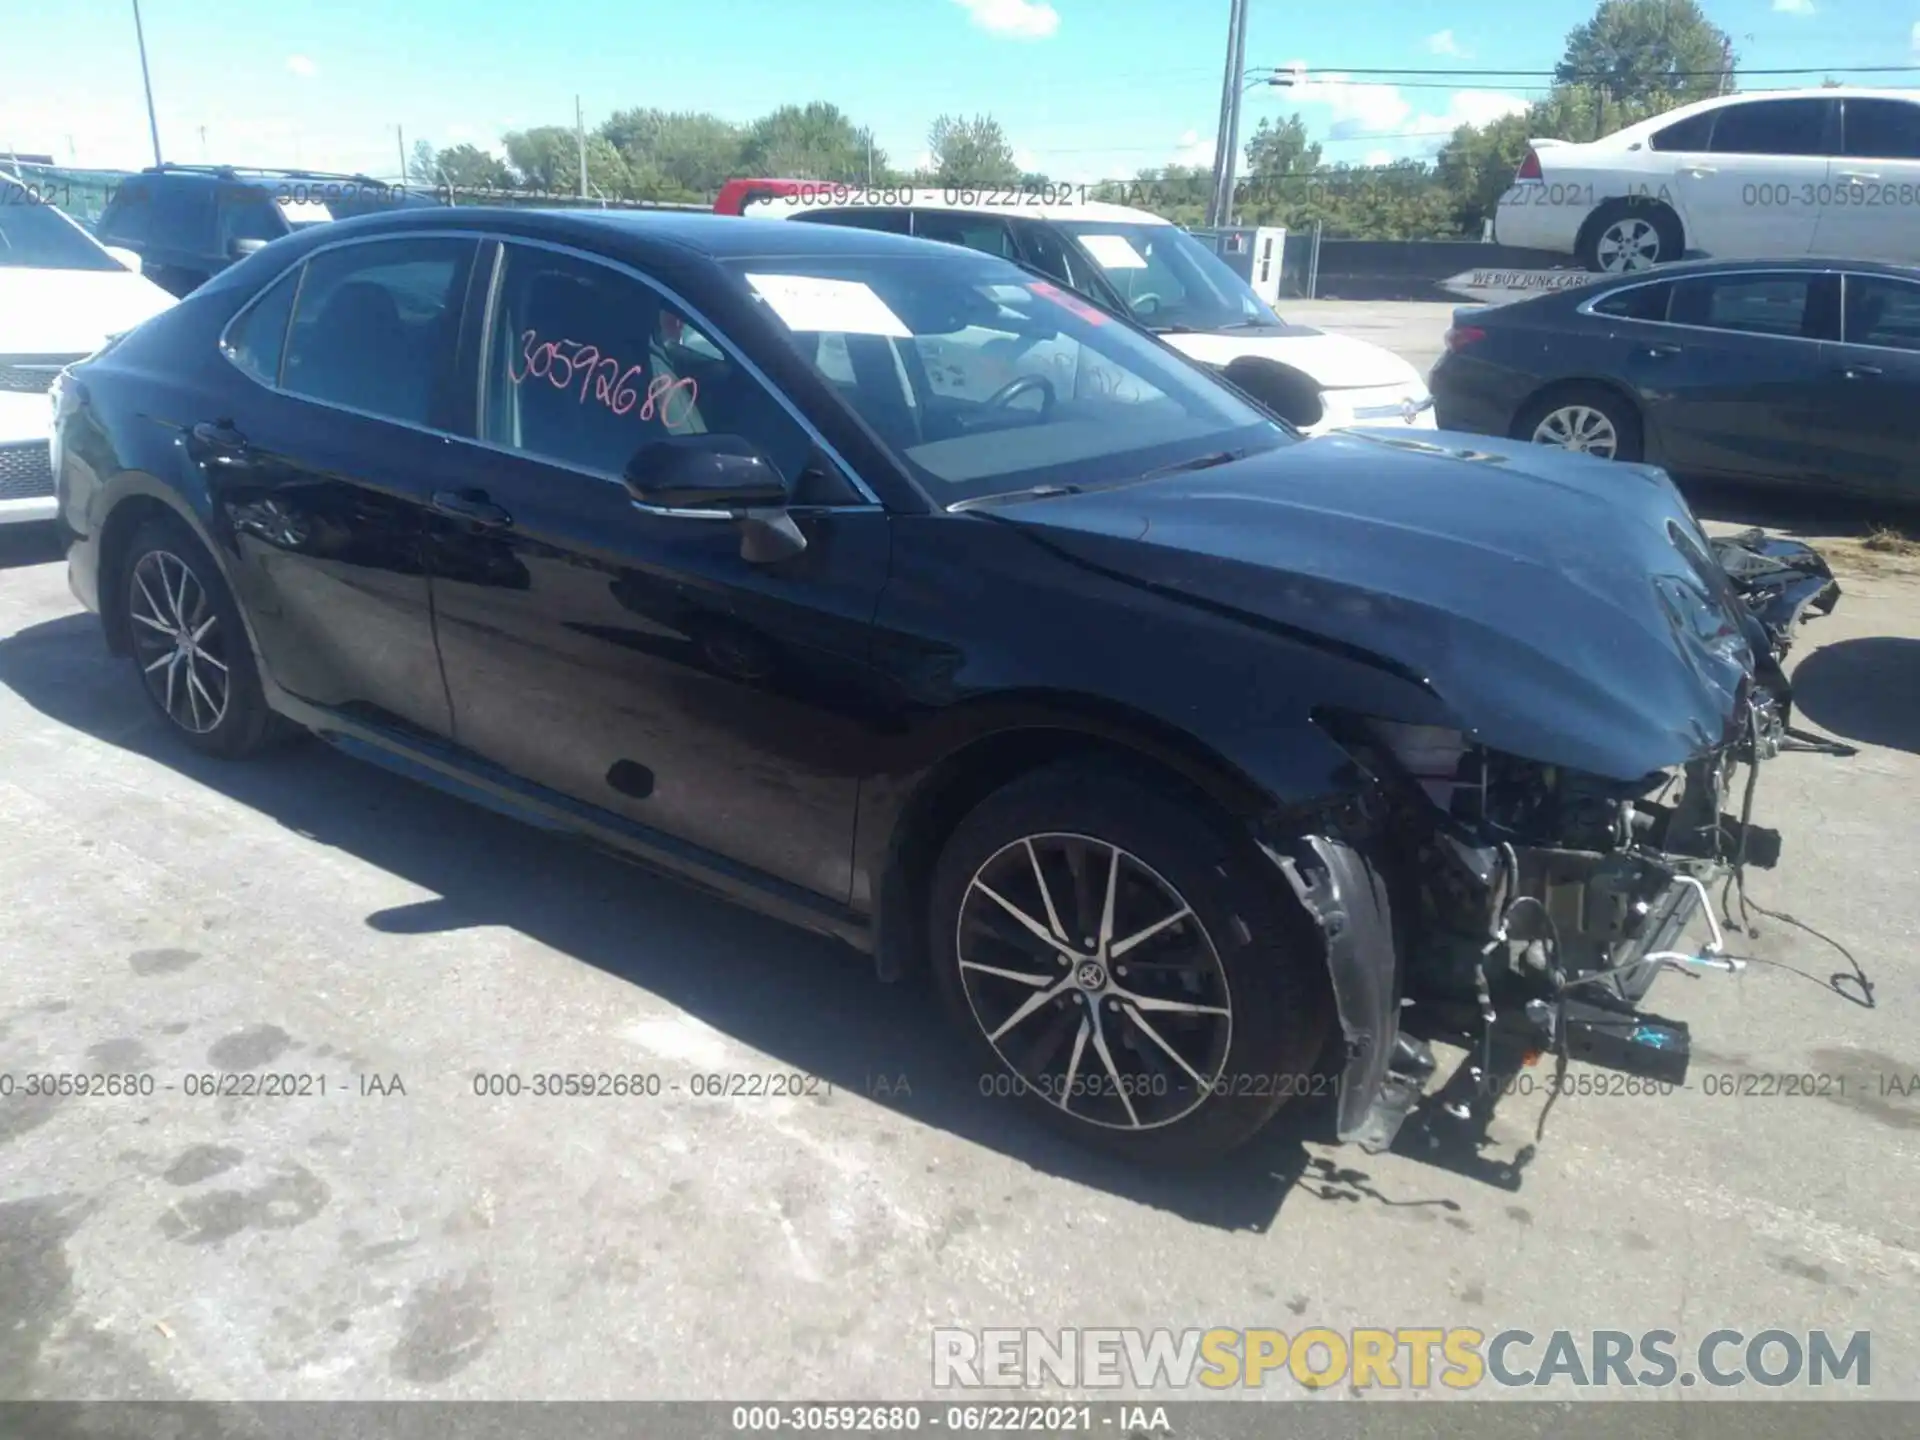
x=705 y=472
x=241 y=249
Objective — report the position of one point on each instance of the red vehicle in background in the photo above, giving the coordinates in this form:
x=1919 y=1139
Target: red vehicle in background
x=736 y=195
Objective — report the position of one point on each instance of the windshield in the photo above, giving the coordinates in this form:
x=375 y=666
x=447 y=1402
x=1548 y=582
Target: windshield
x=1168 y=278
x=35 y=236
x=983 y=379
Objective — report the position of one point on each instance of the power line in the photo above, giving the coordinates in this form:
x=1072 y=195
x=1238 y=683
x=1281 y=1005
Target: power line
x=1341 y=72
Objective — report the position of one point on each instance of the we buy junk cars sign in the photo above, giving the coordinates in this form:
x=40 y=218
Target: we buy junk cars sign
x=1499 y=286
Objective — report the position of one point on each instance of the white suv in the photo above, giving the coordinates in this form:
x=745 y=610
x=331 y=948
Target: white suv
x=1833 y=172
x=1135 y=264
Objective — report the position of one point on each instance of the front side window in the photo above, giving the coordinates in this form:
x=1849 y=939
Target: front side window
x=35 y=236
x=1883 y=312
x=248 y=215
x=376 y=325
x=128 y=213
x=587 y=365
x=1749 y=304
x=982 y=379
x=1168 y=279
x=1882 y=129
x=1772 y=127
x=182 y=216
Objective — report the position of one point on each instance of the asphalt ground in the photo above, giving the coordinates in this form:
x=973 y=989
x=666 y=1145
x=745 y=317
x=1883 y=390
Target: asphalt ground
x=401 y=1237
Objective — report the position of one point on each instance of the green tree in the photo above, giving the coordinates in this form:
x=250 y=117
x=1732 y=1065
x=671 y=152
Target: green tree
x=423 y=165
x=547 y=159
x=468 y=167
x=1639 y=52
x=675 y=155
x=811 y=142
x=971 y=152
x=1280 y=147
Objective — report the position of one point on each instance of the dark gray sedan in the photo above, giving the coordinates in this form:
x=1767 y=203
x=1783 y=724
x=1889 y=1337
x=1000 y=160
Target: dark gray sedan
x=1795 y=372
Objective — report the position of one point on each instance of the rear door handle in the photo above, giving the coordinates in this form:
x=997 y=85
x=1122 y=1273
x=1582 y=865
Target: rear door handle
x=1659 y=351
x=1858 y=175
x=1698 y=170
x=220 y=444
x=473 y=506
x=1862 y=372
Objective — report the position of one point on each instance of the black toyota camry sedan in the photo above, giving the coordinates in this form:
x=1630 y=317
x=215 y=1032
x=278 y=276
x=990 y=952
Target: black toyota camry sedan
x=884 y=586
x=1794 y=372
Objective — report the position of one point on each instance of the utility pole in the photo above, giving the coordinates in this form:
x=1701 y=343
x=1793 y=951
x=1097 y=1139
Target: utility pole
x=1726 y=65
x=580 y=134
x=400 y=138
x=1227 y=138
x=153 y=125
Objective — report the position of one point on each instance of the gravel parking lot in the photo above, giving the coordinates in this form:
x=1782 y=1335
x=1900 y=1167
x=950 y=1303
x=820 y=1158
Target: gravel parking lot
x=400 y=1236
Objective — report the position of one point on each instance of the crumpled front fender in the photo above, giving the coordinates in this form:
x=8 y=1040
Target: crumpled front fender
x=1347 y=899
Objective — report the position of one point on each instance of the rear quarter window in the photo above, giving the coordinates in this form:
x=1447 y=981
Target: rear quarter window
x=1637 y=302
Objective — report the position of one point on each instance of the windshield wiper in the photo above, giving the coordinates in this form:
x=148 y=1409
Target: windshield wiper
x=1035 y=492
x=1201 y=462
x=1247 y=325
x=1176 y=329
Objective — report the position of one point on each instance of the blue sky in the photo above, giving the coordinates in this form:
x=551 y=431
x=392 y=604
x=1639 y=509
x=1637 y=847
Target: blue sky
x=1086 y=89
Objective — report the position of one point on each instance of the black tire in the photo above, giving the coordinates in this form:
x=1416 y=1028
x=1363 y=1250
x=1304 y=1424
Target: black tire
x=1627 y=235
x=209 y=693
x=1246 y=944
x=1618 y=413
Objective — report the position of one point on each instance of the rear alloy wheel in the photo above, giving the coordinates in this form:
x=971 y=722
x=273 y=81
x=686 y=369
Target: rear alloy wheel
x=1626 y=236
x=188 y=645
x=1588 y=420
x=1127 y=967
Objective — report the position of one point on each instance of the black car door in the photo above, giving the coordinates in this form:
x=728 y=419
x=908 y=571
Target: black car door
x=630 y=657
x=1869 y=389
x=324 y=459
x=1727 y=383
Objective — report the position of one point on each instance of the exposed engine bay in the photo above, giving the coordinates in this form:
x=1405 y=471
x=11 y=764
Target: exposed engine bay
x=1529 y=907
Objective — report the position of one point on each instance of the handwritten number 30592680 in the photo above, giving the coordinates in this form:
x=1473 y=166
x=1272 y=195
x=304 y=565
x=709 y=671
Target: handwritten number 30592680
x=601 y=377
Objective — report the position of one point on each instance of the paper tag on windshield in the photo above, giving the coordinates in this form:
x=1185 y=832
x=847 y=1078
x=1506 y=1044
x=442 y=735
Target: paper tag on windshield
x=303 y=212
x=846 y=307
x=1113 y=252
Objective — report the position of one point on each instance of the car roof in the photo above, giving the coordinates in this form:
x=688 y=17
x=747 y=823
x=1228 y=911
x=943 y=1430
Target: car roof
x=1682 y=268
x=259 y=179
x=639 y=232
x=1717 y=102
x=968 y=199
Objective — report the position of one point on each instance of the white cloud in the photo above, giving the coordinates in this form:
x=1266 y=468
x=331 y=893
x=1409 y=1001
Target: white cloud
x=1794 y=7
x=1360 y=110
x=1916 y=37
x=1016 y=19
x=1443 y=43
x=302 y=66
x=1194 y=149
x=1378 y=157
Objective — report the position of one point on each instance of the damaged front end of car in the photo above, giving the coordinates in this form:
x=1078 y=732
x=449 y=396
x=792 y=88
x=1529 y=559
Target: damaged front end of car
x=1518 y=910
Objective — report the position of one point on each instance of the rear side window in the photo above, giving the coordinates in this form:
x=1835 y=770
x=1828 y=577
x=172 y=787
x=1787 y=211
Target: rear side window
x=377 y=324
x=1637 y=302
x=1693 y=134
x=893 y=222
x=127 y=215
x=256 y=339
x=1049 y=252
x=1772 y=127
x=181 y=216
x=976 y=232
x=1882 y=130
x=1749 y=304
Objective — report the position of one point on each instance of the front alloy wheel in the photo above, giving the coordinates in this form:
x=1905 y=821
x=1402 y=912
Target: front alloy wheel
x=1630 y=243
x=1094 y=981
x=179 y=642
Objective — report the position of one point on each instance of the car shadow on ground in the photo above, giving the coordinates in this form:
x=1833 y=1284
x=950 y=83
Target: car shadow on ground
x=1800 y=514
x=22 y=545
x=1865 y=690
x=811 y=1003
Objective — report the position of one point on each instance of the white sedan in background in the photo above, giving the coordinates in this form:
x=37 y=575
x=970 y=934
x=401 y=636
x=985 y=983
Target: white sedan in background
x=1135 y=263
x=62 y=297
x=1781 y=174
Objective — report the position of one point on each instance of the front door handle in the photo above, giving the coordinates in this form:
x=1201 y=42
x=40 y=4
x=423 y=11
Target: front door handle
x=473 y=506
x=219 y=443
x=1699 y=170
x=1859 y=175
x=1861 y=372
x=1659 y=351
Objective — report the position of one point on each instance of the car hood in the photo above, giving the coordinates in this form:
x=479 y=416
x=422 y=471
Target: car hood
x=71 y=312
x=1547 y=600
x=1334 y=362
